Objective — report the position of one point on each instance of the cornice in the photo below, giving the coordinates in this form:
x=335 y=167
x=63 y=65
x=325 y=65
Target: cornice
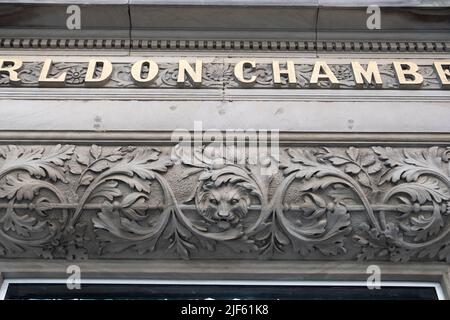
x=291 y=26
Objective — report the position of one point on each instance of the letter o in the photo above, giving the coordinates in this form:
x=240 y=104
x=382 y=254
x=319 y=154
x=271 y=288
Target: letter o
x=136 y=71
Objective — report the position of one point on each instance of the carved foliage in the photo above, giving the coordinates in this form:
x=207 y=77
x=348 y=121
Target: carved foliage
x=374 y=203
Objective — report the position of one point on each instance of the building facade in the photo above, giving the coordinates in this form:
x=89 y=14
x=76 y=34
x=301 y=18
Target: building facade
x=289 y=140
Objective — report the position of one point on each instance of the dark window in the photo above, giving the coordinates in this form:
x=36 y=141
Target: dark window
x=260 y=292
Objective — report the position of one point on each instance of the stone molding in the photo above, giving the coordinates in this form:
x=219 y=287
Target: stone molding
x=63 y=43
x=332 y=46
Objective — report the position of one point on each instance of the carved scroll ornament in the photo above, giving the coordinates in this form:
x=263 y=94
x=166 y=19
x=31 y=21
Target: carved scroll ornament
x=138 y=202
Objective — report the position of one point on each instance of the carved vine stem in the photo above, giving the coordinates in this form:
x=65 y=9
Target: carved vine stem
x=396 y=189
x=287 y=225
x=41 y=185
x=168 y=194
x=349 y=181
x=103 y=177
x=184 y=207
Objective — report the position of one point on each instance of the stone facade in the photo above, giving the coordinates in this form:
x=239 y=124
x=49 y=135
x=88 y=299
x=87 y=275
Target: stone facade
x=92 y=175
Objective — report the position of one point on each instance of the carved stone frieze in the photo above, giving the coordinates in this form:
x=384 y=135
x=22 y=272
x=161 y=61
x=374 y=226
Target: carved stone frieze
x=309 y=203
x=215 y=75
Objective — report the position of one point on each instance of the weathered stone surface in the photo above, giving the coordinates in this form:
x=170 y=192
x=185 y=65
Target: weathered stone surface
x=226 y=25
x=47 y=20
x=405 y=23
x=362 y=177
x=139 y=202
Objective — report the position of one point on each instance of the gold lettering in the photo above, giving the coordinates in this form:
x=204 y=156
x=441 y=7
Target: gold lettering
x=10 y=67
x=46 y=81
x=136 y=71
x=239 y=72
x=185 y=68
x=444 y=74
x=322 y=71
x=98 y=81
x=366 y=74
x=408 y=78
x=369 y=76
x=290 y=71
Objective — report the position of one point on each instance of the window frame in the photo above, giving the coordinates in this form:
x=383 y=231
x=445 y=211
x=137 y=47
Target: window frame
x=404 y=284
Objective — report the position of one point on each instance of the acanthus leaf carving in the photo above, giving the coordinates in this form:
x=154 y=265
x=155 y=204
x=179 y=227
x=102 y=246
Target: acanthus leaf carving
x=379 y=203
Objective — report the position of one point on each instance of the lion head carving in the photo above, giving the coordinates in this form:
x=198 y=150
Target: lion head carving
x=224 y=205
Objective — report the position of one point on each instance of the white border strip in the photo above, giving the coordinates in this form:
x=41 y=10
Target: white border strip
x=436 y=286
